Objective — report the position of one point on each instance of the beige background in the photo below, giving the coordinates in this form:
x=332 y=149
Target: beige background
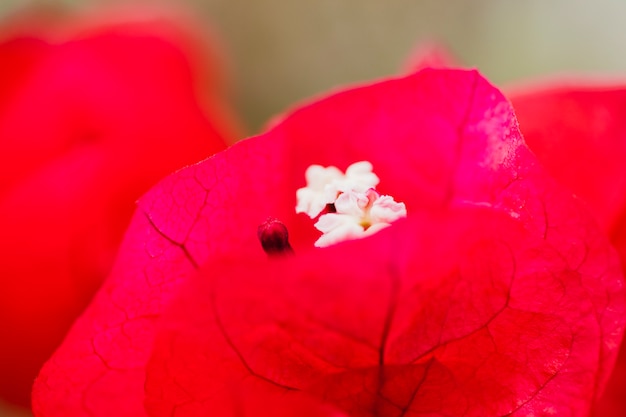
x=282 y=51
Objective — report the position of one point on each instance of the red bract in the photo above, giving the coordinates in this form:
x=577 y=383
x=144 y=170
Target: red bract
x=88 y=120
x=497 y=296
x=576 y=130
x=578 y=133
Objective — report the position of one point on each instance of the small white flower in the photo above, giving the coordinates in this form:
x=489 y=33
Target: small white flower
x=325 y=184
x=355 y=208
x=358 y=215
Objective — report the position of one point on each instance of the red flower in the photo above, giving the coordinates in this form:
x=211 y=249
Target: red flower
x=497 y=295
x=89 y=118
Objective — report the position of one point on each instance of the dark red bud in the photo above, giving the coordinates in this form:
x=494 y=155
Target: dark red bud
x=274 y=237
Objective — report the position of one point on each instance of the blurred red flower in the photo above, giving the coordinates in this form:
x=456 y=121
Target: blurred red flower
x=498 y=295
x=91 y=115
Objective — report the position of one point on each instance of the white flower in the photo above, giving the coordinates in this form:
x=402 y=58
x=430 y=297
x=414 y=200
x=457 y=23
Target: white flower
x=358 y=215
x=325 y=184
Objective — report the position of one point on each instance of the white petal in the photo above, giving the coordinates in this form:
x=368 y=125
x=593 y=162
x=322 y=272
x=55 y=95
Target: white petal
x=359 y=177
x=352 y=204
x=337 y=228
x=387 y=210
x=309 y=202
x=318 y=176
x=313 y=198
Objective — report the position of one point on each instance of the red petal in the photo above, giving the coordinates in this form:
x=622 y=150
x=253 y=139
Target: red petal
x=579 y=134
x=459 y=313
x=88 y=126
x=437 y=139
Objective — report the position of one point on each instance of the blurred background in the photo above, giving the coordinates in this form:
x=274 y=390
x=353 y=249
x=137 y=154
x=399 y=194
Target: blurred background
x=279 y=52
x=282 y=51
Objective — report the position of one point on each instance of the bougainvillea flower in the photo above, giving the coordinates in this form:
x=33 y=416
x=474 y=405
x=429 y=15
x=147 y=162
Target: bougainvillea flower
x=496 y=295
x=575 y=129
x=89 y=119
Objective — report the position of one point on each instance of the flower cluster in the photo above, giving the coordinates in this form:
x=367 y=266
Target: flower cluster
x=354 y=209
